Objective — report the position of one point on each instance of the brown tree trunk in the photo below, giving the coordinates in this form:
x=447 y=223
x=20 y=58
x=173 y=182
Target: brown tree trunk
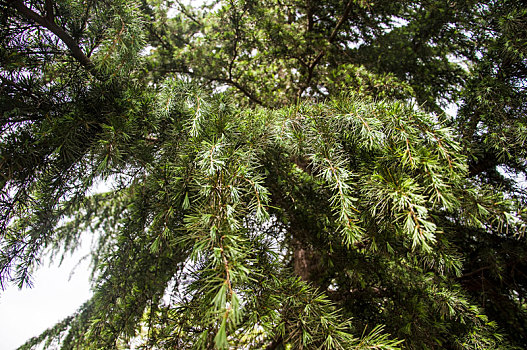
x=305 y=261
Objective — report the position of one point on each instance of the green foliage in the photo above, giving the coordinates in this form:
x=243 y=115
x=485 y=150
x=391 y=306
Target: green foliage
x=282 y=174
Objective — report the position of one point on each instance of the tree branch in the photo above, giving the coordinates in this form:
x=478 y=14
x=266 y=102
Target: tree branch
x=331 y=39
x=475 y=272
x=14 y=85
x=48 y=23
x=49 y=11
x=228 y=81
x=484 y=163
x=243 y=90
x=188 y=14
x=309 y=15
x=274 y=344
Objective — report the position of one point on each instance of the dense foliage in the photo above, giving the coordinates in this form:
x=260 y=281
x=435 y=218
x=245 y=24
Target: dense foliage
x=283 y=173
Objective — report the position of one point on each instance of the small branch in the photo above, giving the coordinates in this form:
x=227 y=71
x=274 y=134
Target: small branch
x=300 y=60
x=243 y=90
x=309 y=15
x=164 y=43
x=341 y=21
x=18 y=87
x=236 y=23
x=475 y=272
x=41 y=52
x=189 y=15
x=274 y=344
x=86 y=15
x=228 y=81
x=416 y=221
x=227 y=272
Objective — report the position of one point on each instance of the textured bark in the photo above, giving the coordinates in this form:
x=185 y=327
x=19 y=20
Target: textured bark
x=306 y=261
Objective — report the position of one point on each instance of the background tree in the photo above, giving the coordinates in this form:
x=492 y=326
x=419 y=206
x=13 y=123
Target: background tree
x=283 y=173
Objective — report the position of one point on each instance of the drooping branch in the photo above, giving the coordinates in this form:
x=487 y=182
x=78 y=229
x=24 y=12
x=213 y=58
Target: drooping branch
x=49 y=23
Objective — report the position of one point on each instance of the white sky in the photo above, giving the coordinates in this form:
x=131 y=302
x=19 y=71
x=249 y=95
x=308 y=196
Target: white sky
x=57 y=292
x=28 y=312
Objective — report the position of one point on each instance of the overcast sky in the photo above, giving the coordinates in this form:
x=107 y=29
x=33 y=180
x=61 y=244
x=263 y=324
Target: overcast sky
x=26 y=313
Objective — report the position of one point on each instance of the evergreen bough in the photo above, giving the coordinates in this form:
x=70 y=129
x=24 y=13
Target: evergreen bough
x=281 y=219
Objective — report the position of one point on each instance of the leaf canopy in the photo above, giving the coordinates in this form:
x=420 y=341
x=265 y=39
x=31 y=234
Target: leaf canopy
x=282 y=173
